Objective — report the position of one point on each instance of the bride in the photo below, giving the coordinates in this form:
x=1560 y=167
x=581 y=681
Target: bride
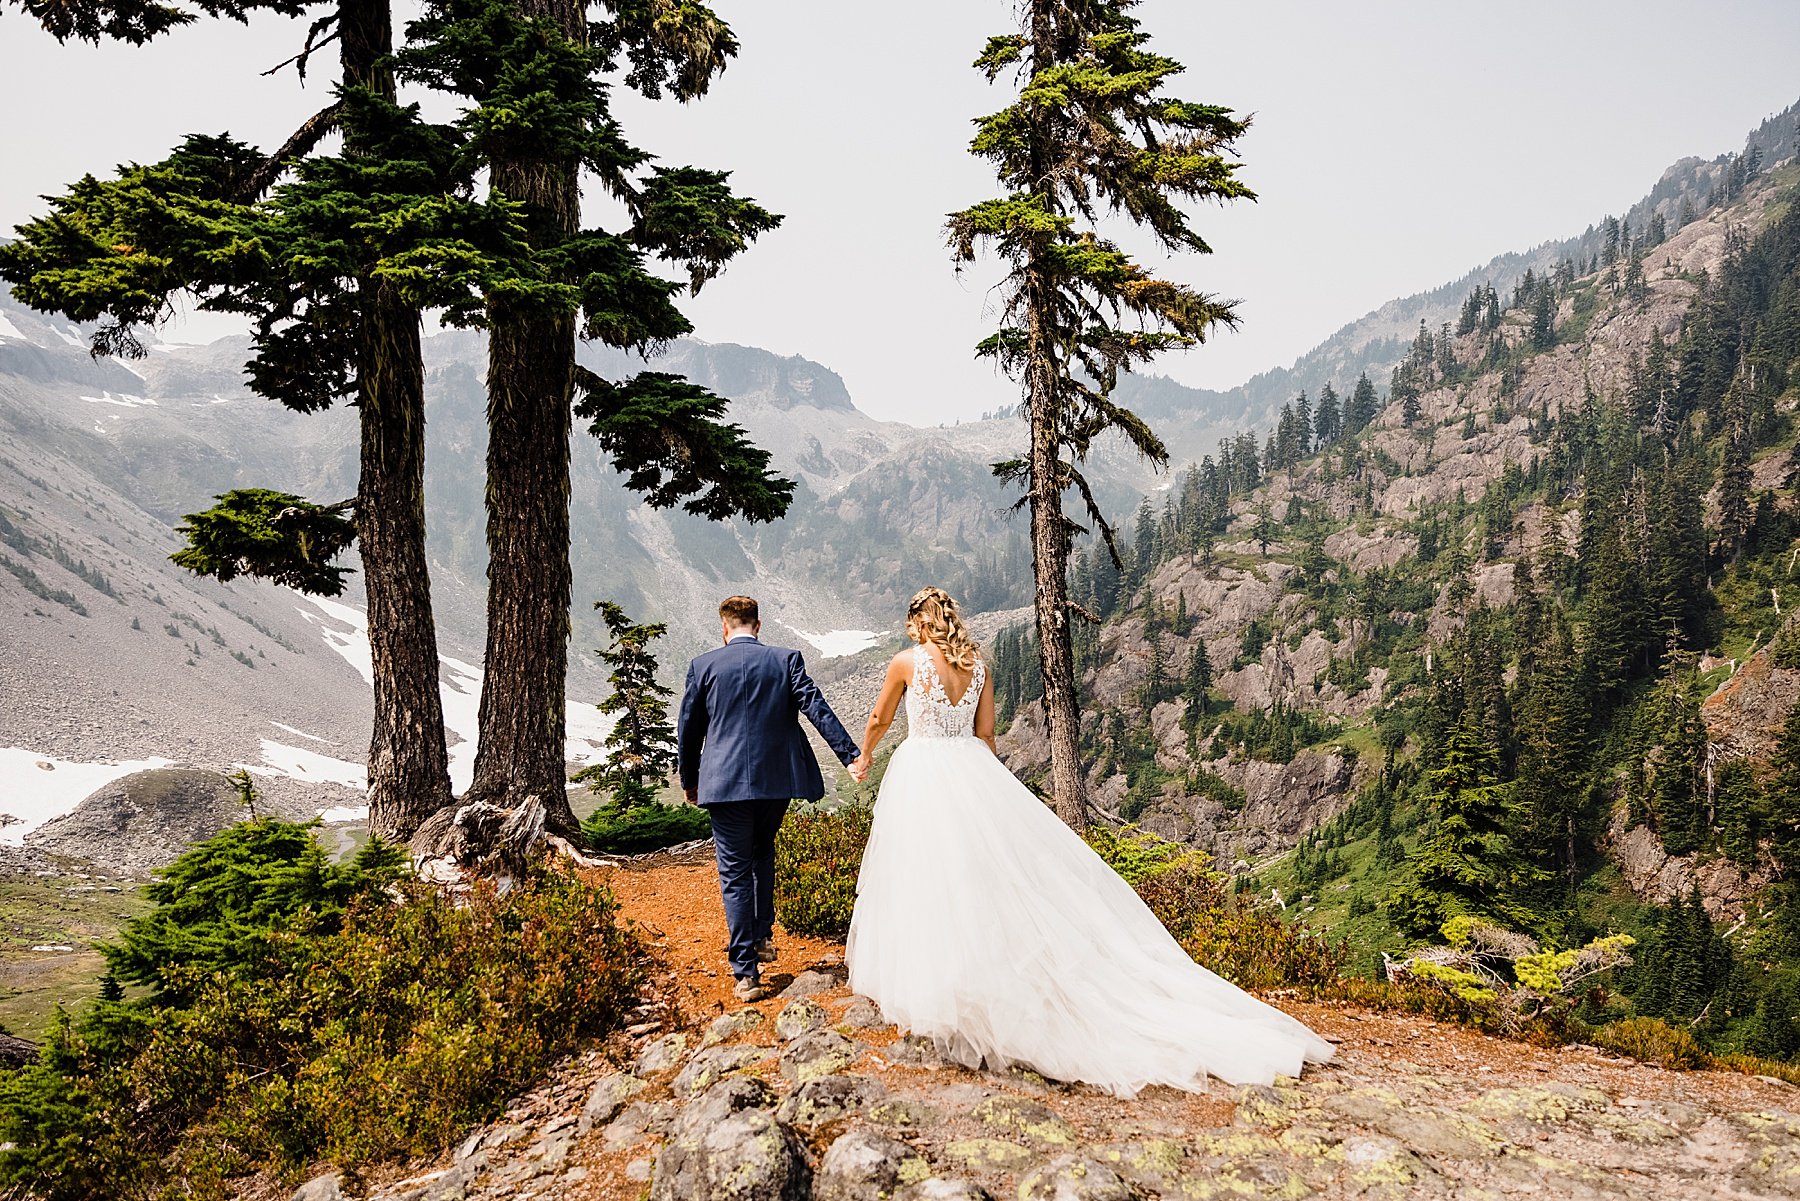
x=987 y=925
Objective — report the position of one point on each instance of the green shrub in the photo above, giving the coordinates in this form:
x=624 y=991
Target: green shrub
x=641 y=829
x=388 y=1036
x=1250 y=947
x=817 y=858
x=1653 y=1041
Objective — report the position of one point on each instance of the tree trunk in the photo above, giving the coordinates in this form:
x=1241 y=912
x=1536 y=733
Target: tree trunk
x=408 y=771
x=1049 y=529
x=531 y=383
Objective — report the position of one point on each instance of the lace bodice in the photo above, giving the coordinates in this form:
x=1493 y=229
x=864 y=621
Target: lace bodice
x=929 y=713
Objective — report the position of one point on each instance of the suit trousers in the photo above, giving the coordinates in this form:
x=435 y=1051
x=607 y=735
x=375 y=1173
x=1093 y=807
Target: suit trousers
x=744 y=845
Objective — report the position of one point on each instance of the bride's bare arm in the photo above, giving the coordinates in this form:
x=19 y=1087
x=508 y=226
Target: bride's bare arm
x=893 y=687
x=984 y=714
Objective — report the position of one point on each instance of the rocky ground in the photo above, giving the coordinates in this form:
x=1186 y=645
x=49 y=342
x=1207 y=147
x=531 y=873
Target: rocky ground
x=812 y=1095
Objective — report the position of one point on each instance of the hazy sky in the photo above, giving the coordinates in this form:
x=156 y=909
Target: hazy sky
x=1396 y=145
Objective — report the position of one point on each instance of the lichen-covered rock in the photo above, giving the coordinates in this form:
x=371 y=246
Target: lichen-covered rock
x=801 y=1017
x=1156 y=1164
x=321 y=1188
x=905 y=1113
x=1074 y=1178
x=913 y=1051
x=660 y=1057
x=1380 y=1167
x=820 y=1053
x=865 y=1166
x=638 y=1121
x=940 y=1188
x=728 y=1026
x=994 y=1154
x=608 y=1096
x=712 y=1065
x=810 y=984
x=863 y=1014
x=1542 y=1104
x=1035 y=1121
x=728 y=1146
x=828 y=1098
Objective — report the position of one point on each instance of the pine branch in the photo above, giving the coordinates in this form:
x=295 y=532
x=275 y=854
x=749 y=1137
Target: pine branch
x=298 y=145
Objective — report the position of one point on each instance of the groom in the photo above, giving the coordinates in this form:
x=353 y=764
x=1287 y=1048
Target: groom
x=744 y=757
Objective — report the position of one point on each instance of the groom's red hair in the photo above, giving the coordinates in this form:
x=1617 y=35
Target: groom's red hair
x=739 y=612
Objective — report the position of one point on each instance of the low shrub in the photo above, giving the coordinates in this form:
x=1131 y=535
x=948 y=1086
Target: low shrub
x=817 y=858
x=640 y=829
x=1653 y=1041
x=1252 y=948
x=387 y=1036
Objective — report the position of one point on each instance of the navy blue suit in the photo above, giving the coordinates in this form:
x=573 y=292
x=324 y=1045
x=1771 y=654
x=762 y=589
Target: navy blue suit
x=742 y=751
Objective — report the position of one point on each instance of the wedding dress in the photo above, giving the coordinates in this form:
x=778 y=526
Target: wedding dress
x=987 y=925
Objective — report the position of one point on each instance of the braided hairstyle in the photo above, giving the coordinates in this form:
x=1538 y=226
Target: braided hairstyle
x=932 y=617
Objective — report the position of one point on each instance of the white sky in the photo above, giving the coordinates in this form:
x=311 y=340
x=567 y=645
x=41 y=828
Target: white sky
x=1396 y=145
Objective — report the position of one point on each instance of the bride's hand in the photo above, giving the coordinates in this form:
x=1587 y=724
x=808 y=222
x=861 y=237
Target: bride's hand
x=859 y=768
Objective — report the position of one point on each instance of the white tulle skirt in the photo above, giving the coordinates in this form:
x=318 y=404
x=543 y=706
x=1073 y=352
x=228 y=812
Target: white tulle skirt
x=985 y=924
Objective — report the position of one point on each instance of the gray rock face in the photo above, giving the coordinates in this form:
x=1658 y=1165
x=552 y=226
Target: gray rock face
x=809 y=983
x=710 y=1066
x=865 y=1166
x=863 y=1014
x=820 y=1053
x=142 y=821
x=660 y=1057
x=1072 y=1178
x=728 y=1147
x=607 y=1098
x=939 y=1188
x=321 y=1188
x=801 y=1017
x=828 y=1098
x=728 y=1026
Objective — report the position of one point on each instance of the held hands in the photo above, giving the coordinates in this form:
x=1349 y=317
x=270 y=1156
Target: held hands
x=859 y=768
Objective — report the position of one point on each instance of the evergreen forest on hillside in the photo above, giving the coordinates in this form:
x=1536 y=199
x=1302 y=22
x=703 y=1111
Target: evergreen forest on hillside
x=1495 y=756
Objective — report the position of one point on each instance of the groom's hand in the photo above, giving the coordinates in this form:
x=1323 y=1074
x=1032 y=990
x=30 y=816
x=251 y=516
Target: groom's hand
x=859 y=768
x=693 y=795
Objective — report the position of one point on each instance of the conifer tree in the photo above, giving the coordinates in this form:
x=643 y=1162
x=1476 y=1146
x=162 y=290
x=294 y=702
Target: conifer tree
x=536 y=78
x=1362 y=406
x=1466 y=863
x=641 y=745
x=1328 y=420
x=1092 y=132
x=335 y=269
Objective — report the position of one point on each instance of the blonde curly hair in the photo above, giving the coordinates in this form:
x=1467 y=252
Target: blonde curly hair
x=932 y=617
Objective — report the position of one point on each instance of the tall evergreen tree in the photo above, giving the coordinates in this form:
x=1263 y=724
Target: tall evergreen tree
x=1328 y=422
x=335 y=270
x=536 y=77
x=1092 y=130
x=1362 y=406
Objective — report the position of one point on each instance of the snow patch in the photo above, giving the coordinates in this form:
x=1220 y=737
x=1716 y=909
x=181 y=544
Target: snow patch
x=9 y=330
x=344 y=813
x=35 y=788
x=70 y=335
x=297 y=763
x=835 y=644
x=124 y=400
x=302 y=733
x=346 y=631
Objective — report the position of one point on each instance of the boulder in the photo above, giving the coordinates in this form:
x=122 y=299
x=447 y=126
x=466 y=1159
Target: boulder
x=329 y=1187
x=865 y=1166
x=1072 y=1178
x=820 y=1053
x=608 y=1097
x=728 y=1146
x=710 y=1066
x=828 y=1098
x=801 y=1017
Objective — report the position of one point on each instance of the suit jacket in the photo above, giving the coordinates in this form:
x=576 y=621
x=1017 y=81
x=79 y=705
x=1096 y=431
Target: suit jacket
x=738 y=735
